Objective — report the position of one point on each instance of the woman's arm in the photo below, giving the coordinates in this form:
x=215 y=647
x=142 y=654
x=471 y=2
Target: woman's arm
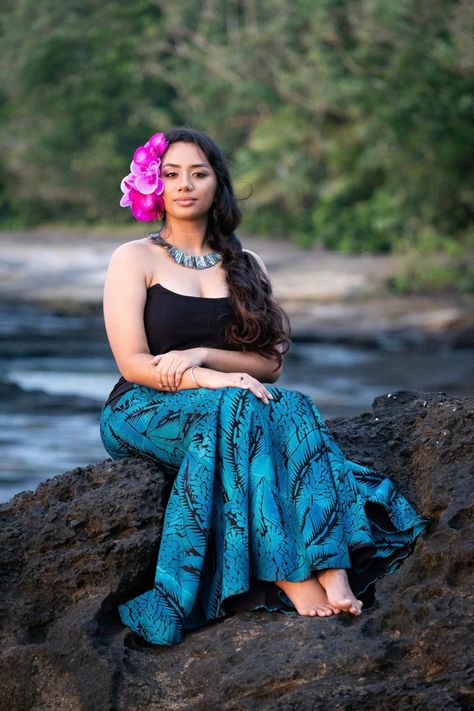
x=172 y=366
x=124 y=300
x=253 y=363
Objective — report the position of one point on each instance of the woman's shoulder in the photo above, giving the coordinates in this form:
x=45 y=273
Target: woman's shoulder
x=258 y=259
x=134 y=253
x=135 y=248
x=131 y=259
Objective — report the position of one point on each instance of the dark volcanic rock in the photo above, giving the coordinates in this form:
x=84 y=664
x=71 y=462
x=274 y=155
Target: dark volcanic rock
x=87 y=540
x=14 y=399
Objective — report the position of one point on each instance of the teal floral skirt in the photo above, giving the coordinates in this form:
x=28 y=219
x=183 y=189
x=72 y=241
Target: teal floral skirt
x=260 y=493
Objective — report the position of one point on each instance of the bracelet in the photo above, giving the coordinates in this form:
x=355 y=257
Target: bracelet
x=192 y=375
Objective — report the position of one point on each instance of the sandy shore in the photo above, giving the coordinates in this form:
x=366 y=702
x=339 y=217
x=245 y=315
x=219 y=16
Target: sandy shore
x=328 y=295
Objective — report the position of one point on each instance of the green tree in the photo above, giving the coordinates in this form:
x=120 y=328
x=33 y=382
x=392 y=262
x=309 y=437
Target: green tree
x=349 y=121
x=75 y=103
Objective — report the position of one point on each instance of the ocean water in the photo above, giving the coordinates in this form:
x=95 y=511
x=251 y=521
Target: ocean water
x=57 y=370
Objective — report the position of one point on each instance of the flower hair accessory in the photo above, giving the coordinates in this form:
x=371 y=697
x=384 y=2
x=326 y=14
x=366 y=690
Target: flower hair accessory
x=142 y=187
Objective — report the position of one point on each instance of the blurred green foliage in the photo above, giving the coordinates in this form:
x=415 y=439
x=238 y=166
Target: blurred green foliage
x=348 y=121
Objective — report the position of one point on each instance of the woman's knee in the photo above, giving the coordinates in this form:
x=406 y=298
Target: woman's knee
x=241 y=395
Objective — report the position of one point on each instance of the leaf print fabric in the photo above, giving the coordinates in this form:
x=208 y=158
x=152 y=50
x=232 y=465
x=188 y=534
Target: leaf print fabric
x=260 y=493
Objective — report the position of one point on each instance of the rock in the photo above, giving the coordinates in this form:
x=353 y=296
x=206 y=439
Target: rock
x=13 y=399
x=87 y=540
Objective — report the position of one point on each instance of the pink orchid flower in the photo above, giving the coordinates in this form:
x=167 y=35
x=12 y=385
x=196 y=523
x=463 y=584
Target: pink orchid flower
x=147 y=176
x=127 y=186
x=142 y=187
x=157 y=144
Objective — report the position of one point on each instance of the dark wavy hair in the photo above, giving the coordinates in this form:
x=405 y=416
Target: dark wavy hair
x=260 y=324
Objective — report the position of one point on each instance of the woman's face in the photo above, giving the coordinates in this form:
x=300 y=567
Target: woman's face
x=190 y=181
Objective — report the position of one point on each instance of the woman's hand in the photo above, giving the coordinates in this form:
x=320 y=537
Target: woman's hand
x=215 y=379
x=170 y=366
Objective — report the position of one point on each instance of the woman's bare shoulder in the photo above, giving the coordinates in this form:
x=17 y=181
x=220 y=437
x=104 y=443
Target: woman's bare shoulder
x=135 y=249
x=131 y=259
x=258 y=259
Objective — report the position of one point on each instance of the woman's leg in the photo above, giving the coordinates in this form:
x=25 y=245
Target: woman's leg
x=178 y=430
x=293 y=496
x=309 y=469
x=270 y=494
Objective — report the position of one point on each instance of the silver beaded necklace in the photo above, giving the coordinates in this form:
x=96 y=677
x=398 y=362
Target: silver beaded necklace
x=186 y=260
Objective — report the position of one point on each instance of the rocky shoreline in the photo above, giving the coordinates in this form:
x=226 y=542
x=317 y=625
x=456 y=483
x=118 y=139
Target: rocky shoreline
x=86 y=540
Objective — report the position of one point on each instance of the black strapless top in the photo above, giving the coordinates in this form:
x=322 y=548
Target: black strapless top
x=176 y=321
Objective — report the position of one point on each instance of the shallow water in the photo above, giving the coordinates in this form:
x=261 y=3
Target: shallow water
x=43 y=435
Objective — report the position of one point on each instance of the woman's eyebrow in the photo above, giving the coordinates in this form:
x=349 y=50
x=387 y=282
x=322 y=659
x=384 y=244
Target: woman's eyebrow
x=195 y=165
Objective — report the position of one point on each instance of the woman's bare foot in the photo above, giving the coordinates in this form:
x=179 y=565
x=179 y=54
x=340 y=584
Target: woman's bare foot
x=338 y=591
x=308 y=597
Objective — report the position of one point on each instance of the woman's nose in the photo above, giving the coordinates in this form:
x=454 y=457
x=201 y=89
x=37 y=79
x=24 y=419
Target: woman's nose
x=185 y=182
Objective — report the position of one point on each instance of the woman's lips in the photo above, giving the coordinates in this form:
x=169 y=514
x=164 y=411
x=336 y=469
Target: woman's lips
x=185 y=201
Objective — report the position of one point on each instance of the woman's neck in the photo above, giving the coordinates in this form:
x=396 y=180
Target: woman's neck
x=188 y=236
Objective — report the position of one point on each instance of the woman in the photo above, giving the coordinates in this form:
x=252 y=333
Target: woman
x=264 y=509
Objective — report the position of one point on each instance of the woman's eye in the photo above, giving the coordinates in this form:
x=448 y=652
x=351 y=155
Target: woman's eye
x=172 y=174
